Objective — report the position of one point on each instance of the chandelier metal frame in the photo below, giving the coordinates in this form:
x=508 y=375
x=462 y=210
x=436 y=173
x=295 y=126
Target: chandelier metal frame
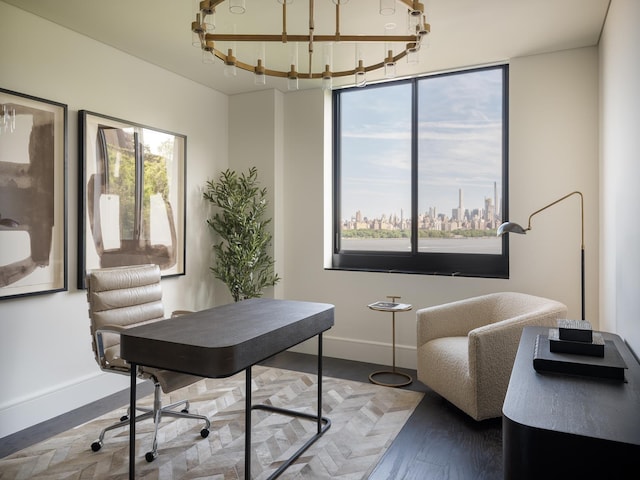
x=412 y=41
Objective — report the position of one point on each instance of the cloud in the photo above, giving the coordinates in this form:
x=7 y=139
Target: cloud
x=459 y=144
x=384 y=135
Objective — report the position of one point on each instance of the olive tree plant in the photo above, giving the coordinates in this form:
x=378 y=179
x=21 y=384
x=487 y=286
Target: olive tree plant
x=242 y=260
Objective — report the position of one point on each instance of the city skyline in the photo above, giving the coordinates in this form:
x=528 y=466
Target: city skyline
x=487 y=215
x=459 y=146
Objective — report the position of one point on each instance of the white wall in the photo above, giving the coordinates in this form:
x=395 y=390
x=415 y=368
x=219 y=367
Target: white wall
x=553 y=151
x=620 y=172
x=553 y=142
x=256 y=140
x=46 y=364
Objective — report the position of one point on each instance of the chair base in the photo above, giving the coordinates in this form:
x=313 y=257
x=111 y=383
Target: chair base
x=156 y=414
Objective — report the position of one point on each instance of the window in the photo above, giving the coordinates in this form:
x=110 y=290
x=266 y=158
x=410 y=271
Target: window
x=133 y=205
x=420 y=175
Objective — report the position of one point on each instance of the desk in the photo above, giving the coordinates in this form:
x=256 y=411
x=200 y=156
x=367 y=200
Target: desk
x=562 y=426
x=222 y=341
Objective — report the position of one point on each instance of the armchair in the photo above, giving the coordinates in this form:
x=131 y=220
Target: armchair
x=120 y=298
x=466 y=348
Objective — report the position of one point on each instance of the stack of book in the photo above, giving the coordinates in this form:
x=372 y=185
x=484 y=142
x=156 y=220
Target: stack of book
x=576 y=336
x=574 y=348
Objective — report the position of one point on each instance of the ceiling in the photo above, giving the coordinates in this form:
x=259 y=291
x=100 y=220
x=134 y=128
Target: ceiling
x=464 y=33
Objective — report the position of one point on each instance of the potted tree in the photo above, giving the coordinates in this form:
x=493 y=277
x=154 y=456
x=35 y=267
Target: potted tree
x=242 y=261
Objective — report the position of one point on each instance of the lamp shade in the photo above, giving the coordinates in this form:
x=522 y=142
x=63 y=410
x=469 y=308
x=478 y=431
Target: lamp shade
x=510 y=227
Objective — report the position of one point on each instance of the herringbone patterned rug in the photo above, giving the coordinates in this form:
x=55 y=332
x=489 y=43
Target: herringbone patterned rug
x=365 y=419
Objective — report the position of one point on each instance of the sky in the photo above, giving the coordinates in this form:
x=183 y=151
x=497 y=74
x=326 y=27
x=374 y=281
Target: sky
x=460 y=144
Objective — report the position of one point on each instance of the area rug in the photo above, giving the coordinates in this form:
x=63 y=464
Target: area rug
x=365 y=419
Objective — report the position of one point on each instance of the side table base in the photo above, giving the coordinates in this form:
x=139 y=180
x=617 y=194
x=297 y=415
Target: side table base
x=402 y=383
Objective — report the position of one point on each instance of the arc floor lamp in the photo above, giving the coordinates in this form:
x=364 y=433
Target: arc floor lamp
x=511 y=227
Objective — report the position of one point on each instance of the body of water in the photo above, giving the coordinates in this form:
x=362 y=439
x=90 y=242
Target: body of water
x=485 y=245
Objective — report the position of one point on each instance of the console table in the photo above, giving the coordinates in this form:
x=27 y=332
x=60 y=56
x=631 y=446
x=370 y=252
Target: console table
x=563 y=426
x=222 y=341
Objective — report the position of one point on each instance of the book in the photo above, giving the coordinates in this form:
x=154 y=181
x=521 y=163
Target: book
x=610 y=366
x=594 y=348
x=389 y=306
x=575 y=330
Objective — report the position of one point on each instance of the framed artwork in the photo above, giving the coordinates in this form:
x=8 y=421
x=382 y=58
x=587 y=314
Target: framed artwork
x=33 y=200
x=132 y=196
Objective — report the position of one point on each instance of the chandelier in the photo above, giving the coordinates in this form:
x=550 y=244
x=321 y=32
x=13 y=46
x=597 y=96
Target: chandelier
x=386 y=46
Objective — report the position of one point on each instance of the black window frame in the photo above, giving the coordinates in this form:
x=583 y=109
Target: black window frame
x=415 y=262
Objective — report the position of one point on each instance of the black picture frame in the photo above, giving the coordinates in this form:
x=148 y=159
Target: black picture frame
x=132 y=204
x=33 y=195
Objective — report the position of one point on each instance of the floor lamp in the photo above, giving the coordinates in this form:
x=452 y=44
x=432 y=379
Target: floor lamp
x=510 y=227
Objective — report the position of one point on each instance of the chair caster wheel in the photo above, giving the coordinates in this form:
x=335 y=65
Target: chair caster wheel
x=185 y=410
x=204 y=433
x=95 y=446
x=150 y=456
x=124 y=417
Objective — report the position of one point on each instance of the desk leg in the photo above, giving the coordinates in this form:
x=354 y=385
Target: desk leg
x=319 y=431
x=323 y=422
x=247 y=427
x=132 y=423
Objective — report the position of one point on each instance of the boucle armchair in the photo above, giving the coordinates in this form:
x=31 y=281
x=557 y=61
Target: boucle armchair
x=466 y=348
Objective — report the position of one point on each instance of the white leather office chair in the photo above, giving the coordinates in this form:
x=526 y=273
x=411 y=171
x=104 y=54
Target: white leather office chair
x=466 y=349
x=120 y=298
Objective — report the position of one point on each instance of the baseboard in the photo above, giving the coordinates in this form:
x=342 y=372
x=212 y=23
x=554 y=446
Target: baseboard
x=49 y=404
x=361 y=351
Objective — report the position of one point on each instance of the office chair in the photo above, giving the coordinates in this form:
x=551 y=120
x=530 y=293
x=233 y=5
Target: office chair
x=124 y=297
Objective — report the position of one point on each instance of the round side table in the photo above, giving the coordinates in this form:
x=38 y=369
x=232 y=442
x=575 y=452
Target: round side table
x=393 y=307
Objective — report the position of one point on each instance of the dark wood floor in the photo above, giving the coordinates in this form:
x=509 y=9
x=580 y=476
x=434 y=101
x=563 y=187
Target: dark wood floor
x=438 y=441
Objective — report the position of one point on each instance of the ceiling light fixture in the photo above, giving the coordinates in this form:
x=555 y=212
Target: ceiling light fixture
x=393 y=47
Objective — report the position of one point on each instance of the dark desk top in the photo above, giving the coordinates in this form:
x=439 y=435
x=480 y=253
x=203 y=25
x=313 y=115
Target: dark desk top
x=225 y=340
x=590 y=407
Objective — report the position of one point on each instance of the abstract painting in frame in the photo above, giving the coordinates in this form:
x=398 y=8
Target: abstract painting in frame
x=132 y=196
x=33 y=160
